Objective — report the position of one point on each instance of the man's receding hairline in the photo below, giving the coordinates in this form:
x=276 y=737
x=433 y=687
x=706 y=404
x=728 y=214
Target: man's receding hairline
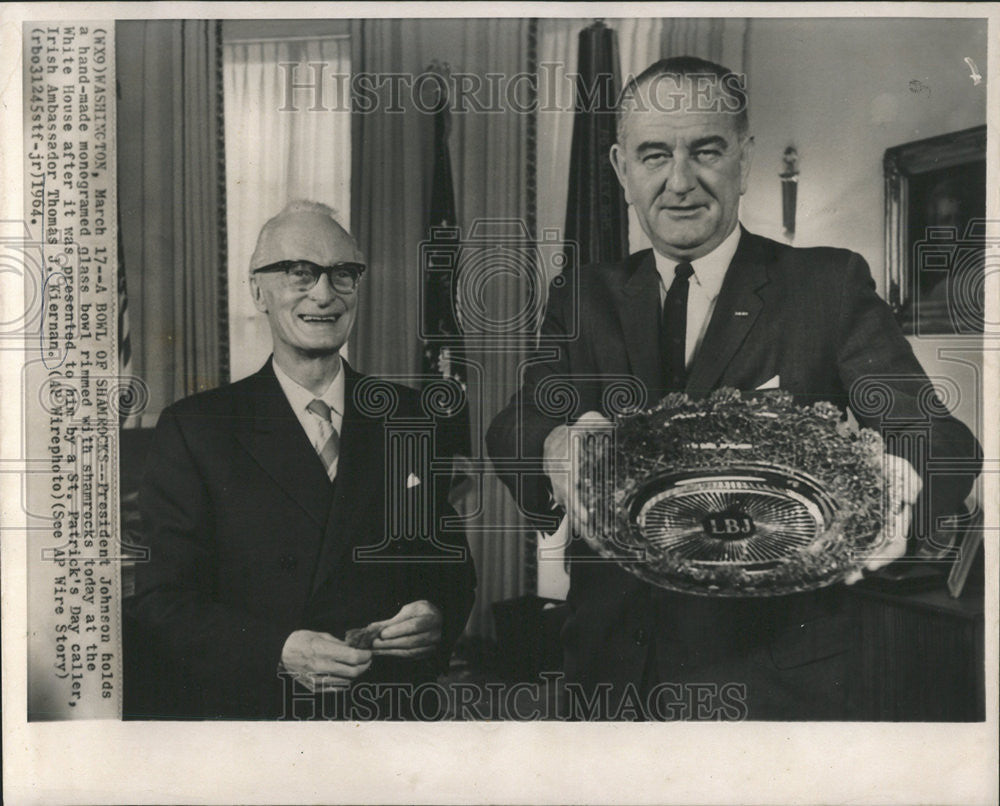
x=295 y=209
x=308 y=206
x=298 y=207
x=679 y=68
x=741 y=125
x=284 y=218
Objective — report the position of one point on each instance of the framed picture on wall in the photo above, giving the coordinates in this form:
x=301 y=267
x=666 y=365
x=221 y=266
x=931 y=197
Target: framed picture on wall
x=935 y=232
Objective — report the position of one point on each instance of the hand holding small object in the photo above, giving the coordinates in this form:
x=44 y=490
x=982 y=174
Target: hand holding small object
x=414 y=632
x=321 y=662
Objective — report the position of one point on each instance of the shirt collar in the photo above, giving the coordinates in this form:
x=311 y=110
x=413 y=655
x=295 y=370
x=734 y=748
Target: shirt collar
x=299 y=397
x=709 y=270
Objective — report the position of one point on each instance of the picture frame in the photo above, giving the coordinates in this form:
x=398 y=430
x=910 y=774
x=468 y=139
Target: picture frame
x=935 y=206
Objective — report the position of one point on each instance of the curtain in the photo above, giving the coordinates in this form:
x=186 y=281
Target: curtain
x=282 y=143
x=558 y=40
x=172 y=204
x=492 y=161
x=389 y=200
x=388 y=195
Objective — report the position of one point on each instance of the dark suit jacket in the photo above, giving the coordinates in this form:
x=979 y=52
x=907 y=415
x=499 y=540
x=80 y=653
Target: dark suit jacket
x=809 y=315
x=249 y=541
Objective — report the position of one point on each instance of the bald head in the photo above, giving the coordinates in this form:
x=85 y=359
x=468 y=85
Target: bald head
x=304 y=230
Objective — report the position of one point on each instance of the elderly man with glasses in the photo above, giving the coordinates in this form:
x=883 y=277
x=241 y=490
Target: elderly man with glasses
x=278 y=581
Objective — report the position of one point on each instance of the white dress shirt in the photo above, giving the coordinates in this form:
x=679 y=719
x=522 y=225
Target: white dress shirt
x=703 y=288
x=299 y=397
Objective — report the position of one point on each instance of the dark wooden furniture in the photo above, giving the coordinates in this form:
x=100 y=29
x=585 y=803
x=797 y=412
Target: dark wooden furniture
x=916 y=656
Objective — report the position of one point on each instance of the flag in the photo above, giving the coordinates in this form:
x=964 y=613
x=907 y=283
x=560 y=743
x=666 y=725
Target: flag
x=129 y=407
x=596 y=214
x=127 y=395
x=443 y=345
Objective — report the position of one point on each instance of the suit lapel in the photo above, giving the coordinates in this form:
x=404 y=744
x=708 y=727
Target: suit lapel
x=736 y=310
x=637 y=300
x=360 y=472
x=273 y=435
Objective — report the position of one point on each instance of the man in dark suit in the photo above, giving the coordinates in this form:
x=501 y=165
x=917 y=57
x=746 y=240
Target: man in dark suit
x=271 y=509
x=712 y=305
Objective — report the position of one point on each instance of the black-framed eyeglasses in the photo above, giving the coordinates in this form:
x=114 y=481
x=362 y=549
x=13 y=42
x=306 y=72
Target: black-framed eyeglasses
x=302 y=275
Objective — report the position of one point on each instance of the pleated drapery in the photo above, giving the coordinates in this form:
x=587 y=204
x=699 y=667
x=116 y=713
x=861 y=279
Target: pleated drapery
x=172 y=205
x=282 y=144
x=491 y=153
x=392 y=165
x=391 y=180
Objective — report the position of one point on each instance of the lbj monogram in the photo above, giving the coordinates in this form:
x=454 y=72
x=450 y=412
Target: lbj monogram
x=729 y=525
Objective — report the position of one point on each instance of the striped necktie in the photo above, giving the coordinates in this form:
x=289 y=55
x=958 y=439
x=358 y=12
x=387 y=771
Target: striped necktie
x=329 y=438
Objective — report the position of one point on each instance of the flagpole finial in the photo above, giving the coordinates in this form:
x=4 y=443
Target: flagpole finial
x=440 y=68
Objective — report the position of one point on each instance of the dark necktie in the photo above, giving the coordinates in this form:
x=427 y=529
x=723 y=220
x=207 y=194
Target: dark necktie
x=675 y=329
x=330 y=449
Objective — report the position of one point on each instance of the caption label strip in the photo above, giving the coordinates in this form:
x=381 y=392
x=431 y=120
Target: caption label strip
x=69 y=383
